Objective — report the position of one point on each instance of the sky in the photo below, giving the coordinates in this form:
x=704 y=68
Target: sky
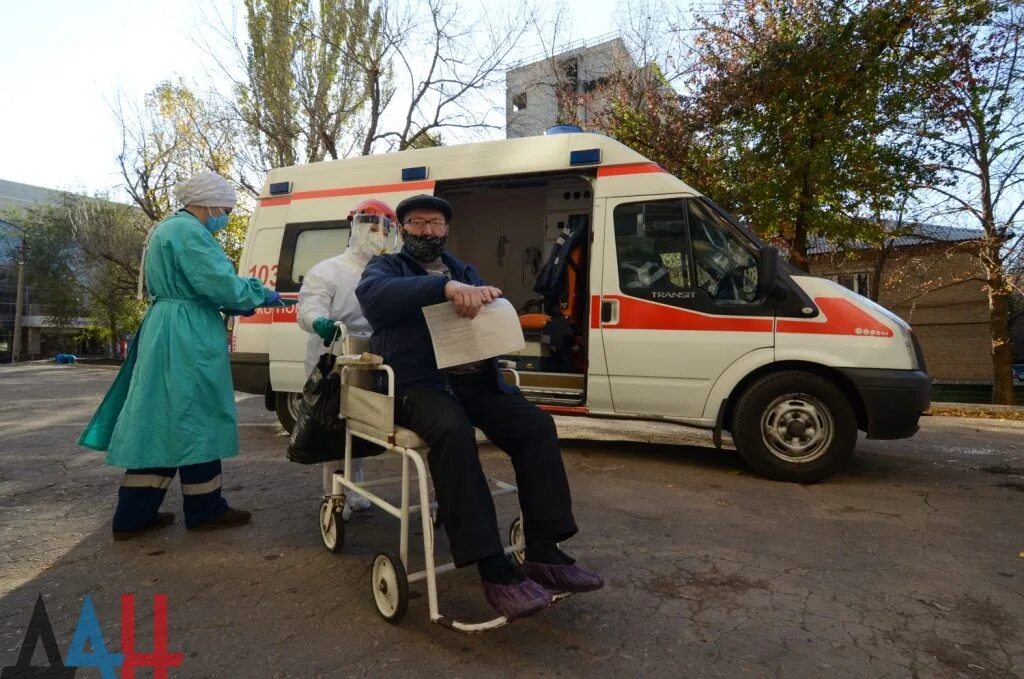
x=65 y=63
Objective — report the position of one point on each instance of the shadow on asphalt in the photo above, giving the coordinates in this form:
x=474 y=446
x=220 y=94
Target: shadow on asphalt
x=727 y=460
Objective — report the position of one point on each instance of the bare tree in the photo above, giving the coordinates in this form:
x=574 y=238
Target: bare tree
x=981 y=133
x=432 y=70
x=172 y=135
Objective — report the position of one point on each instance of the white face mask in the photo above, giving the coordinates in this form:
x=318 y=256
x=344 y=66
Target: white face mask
x=371 y=235
x=373 y=243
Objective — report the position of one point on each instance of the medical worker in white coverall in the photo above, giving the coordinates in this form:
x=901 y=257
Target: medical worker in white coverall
x=328 y=294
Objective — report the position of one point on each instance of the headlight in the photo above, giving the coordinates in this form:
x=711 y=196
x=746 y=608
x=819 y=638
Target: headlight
x=914 y=352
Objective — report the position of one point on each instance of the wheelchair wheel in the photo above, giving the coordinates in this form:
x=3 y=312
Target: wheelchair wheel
x=390 y=586
x=332 y=526
x=515 y=537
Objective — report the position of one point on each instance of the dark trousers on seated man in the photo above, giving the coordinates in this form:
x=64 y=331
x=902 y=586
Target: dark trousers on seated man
x=445 y=420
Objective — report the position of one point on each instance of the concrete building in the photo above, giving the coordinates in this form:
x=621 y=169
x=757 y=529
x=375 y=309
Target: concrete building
x=563 y=88
x=40 y=338
x=923 y=280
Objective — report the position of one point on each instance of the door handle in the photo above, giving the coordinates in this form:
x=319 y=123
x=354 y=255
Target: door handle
x=610 y=311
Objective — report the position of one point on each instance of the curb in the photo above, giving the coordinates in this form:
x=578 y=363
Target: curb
x=981 y=410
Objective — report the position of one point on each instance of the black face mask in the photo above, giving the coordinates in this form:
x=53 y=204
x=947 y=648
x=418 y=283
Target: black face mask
x=424 y=248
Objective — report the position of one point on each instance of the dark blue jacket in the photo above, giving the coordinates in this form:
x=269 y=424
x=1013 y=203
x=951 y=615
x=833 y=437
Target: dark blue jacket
x=392 y=292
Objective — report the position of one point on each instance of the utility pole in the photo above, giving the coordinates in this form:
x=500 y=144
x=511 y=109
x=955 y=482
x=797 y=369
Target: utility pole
x=19 y=301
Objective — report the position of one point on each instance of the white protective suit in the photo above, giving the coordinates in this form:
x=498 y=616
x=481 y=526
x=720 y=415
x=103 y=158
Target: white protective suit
x=329 y=291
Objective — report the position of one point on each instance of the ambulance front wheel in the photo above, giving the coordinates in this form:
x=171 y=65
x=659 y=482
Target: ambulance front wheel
x=794 y=426
x=390 y=586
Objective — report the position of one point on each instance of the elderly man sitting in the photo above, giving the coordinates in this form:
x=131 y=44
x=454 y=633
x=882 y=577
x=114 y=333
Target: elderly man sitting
x=444 y=406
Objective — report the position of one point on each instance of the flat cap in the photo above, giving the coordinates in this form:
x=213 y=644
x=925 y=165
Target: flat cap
x=424 y=201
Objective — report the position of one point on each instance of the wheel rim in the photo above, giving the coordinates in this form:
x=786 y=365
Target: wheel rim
x=515 y=537
x=385 y=586
x=797 y=428
x=328 y=526
x=293 y=405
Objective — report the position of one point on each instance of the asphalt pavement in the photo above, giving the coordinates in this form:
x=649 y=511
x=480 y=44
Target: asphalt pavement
x=909 y=563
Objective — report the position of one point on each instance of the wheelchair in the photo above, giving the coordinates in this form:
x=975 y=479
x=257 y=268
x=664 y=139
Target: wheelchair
x=370 y=415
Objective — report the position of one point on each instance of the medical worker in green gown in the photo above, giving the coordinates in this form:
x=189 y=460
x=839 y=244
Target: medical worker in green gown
x=172 y=408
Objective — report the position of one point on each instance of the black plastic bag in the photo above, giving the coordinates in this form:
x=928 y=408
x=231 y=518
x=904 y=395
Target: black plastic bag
x=319 y=432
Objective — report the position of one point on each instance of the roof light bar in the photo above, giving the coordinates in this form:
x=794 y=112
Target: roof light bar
x=411 y=174
x=585 y=157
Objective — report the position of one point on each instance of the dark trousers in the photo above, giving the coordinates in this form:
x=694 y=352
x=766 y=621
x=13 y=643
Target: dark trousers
x=526 y=433
x=142 y=492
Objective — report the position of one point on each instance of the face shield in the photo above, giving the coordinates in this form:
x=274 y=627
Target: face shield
x=373 y=234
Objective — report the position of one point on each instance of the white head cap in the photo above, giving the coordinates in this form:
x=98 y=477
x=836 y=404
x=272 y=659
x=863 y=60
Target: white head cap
x=207 y=189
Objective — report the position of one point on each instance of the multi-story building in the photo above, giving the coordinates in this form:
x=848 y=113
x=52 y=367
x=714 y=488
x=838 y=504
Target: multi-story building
x=564 y=88
x=40 y=338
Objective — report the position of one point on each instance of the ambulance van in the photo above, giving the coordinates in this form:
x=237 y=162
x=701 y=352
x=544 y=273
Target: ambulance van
x=639 y=298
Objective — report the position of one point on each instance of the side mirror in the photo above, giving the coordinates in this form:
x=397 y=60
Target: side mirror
x=768 y=274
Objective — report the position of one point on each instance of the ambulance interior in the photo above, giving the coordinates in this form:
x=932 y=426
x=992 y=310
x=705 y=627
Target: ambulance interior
x=509 y=229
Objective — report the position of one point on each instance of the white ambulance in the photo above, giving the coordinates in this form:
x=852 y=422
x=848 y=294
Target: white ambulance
x=653 y=303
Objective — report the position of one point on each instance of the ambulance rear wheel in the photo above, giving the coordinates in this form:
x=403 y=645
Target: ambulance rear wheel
x=390 y=586
x=794 y=426
x=286 y=404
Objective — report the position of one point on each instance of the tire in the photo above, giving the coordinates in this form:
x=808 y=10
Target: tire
x=390 y=586
x=332 y=527
x=515 y=536
x=794 y=426
x=286 y=403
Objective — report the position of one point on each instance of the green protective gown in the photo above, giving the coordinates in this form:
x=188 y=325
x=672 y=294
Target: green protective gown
x=172 y=403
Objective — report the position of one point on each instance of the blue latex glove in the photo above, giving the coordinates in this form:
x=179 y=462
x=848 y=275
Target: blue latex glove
x=273 y=298
x=325 y=328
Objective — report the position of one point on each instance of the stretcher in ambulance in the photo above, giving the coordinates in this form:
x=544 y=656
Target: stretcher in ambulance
x=639 y=298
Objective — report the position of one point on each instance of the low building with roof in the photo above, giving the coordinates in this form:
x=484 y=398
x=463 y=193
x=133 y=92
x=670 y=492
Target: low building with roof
x=930 y=276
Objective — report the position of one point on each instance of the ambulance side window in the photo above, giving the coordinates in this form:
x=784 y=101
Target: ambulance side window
x=652 y=247
x=725 y=269
x=314 y=246
x=303 y=245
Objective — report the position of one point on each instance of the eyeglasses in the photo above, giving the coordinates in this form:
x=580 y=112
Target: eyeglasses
x=434 y=224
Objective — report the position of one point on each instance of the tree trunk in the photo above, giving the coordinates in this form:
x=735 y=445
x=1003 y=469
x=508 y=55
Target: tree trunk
x=798 y=248
x=1002 y=348
x=875 y=293
x=371 y=132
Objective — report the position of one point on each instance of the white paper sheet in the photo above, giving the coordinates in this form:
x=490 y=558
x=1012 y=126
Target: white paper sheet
x=494 y=332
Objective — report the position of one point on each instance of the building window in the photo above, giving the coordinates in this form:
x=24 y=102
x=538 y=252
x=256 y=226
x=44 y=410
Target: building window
x=519 y=102
x=858 y=282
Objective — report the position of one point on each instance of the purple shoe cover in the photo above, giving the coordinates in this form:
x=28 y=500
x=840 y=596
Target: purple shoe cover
x=569 y=578
x=518 y=600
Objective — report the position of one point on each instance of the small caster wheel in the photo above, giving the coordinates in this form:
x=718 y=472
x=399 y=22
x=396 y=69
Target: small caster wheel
x=332 y=525
x=515 y=537
x=390 y=586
